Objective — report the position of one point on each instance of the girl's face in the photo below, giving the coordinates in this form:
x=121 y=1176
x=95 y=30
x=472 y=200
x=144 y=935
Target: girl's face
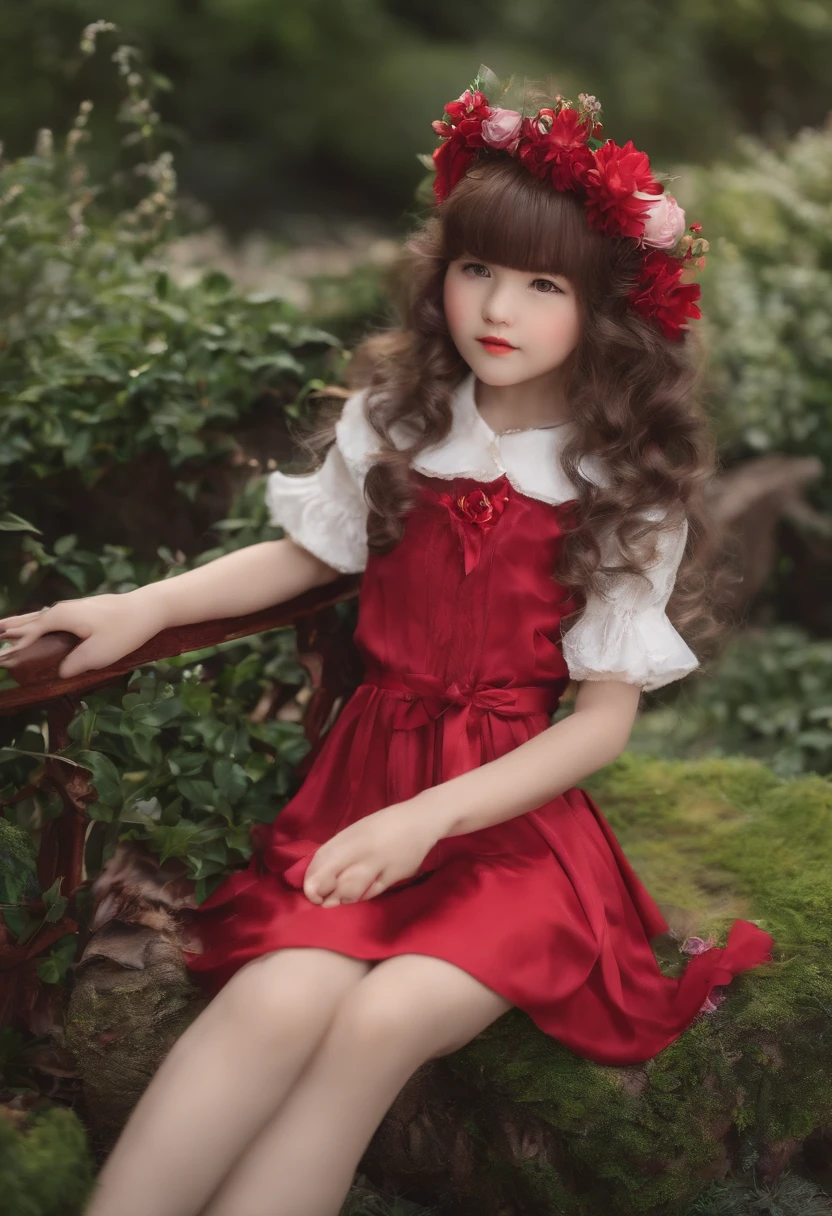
x=537 y=314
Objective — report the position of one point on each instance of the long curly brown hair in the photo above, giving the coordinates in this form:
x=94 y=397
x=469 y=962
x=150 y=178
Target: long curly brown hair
x=633 y=394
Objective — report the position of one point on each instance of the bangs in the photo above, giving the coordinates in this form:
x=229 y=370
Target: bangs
x=500 y=213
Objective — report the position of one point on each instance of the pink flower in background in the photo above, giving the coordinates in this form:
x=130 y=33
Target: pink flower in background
x=712 y=1001
x=502 y=129
x=695 y=945
x=664 y=224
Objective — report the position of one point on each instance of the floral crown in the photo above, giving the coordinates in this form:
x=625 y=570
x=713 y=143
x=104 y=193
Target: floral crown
x=562 y=144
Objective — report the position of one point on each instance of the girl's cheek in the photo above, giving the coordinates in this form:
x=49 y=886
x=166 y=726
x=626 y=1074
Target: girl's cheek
x=565 y=330
x=455 y=305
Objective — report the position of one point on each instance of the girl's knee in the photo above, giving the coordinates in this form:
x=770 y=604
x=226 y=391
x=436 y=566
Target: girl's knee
x=383 y=1023
x=416 y=1008
x=288 y=991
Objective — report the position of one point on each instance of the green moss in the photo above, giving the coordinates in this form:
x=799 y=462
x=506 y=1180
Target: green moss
x=17 y=864
x=712 y=840
x=46 y=1167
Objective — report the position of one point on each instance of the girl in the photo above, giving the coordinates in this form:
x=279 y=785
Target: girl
x=520 y=478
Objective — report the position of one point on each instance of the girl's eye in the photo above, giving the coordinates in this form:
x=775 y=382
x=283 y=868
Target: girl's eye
x=548 y=289
x=548 y=283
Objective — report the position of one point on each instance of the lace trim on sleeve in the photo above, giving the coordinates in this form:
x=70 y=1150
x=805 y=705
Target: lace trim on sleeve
x=628 y=636
x=324 y=511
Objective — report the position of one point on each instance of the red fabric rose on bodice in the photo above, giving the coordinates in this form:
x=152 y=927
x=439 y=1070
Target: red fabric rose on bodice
x=472 y=515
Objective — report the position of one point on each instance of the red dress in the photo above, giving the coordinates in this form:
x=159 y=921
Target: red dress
x=543 y=908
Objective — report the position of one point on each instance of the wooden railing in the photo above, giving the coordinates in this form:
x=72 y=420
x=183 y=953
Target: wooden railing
x=324 y=647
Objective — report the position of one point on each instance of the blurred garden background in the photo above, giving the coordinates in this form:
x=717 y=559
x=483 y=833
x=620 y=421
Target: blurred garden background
x=199 y=200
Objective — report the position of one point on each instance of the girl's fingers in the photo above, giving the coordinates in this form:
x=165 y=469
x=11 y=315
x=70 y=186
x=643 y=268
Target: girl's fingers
x=28 y=627
x=15 y=631
x=311 y=893
x=8 y=623
x=88 y=655
x=14 y=622
x=347 y=887
x=355 y=881
x=375 y=888
x=25 y=635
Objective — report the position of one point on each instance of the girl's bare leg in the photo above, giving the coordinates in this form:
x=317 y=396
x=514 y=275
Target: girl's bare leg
x=221 y=1081
x=406 y=1010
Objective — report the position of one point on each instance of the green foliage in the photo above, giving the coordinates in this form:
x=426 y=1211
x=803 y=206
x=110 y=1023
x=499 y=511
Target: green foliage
x=105 y=358
x=767 y=296
x=113 y=568
x=788 y=1196
x=363 y=1201
x=261 y=86
x=177 y=761
x=17 y=863
x=769 y=697
x=46 y=1169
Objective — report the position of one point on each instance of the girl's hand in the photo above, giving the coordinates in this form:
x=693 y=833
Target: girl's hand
x=110 y=626
x=362 y=860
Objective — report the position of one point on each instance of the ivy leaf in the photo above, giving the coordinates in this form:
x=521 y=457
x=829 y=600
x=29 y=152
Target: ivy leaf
x=199 y=792
x=230 y=777
x=105 y=778
x=48 y=971
x=174 y=841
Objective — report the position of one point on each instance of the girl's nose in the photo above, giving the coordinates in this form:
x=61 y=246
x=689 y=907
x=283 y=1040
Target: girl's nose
x=497 y=307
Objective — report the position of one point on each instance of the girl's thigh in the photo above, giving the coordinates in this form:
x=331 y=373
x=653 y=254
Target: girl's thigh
x=293 y=989
x=420 y=1004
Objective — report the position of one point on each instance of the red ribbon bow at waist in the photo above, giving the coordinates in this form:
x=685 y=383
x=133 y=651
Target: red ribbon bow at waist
x=425 y=697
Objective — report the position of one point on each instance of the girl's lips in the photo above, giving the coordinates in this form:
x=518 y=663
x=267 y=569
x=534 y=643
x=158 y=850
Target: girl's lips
x=496 y=348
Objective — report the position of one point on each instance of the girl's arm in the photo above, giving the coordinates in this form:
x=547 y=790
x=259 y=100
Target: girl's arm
x=113 y=625
x=235 y=584
x=541 y=768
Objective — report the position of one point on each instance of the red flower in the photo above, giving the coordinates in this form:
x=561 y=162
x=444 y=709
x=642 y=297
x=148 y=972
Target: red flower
x=462 y=136
x=476 y=507
x=610 y=182
x=469 y=105
x=660 y=294
x=560 y=154
x=472 y=514
x=452 y=160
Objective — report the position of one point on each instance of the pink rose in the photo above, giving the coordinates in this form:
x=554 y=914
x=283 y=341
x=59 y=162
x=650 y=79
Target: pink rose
x=502 y=129
x=664 y=224
x=695 y=945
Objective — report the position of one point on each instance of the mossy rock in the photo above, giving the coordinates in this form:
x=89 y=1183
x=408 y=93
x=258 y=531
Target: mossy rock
x=515 y=1124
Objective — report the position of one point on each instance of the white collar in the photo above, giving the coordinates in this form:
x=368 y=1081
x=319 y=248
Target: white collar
x=528 y=458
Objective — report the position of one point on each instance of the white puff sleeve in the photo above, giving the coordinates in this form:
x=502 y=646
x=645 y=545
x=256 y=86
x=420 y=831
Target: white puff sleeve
x=324 y=511
x=628 y=635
